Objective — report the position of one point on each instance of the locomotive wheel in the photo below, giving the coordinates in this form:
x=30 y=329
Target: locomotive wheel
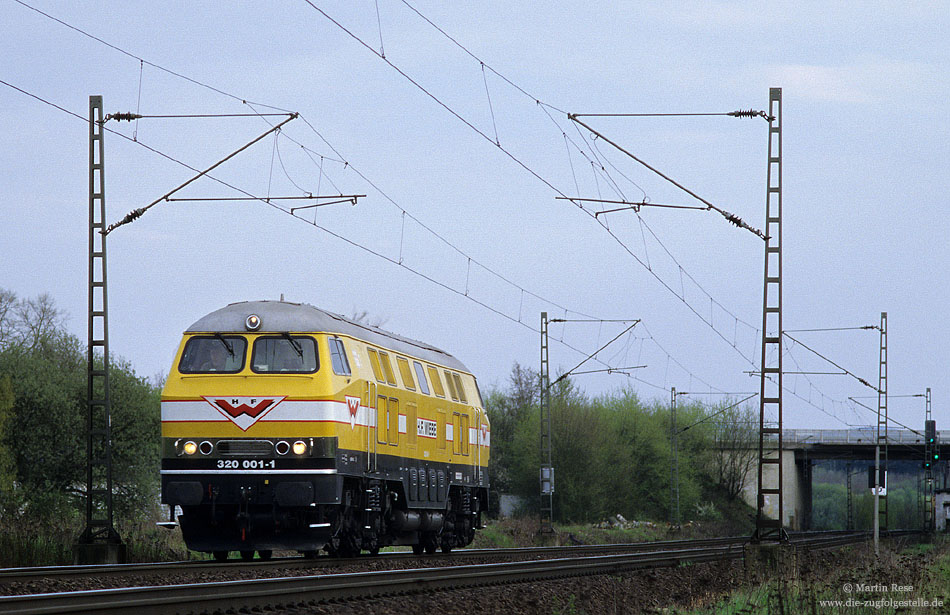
x=446 y=547
x=311 y=554
x=247 y=555
x=417 y=549
x=220 y=556
x=343 y=546
x=265 y=554
x=431 y=546
x=350 y=546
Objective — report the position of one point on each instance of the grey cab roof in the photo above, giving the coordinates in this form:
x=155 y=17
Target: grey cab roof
x=284 y=316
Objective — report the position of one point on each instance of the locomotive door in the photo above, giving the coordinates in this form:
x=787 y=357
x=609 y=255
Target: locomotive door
x=477 y=457
x=456 y=434
x=382 y=420
x=465 y=438
x=371 y=426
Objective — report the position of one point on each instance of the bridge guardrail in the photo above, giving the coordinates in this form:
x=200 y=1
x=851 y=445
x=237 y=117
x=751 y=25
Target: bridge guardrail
x=859 y=435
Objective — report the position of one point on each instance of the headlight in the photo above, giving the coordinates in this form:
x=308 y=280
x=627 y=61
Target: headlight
x=190 y=448
x=282 y=447
x=300 y=447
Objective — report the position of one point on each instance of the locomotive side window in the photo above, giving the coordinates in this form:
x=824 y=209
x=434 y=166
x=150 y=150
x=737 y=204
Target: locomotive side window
x=276 y=354
x=459 y=388
x=387 y=367
x=374 y=361
x=341 y=365
x=451 y=386
x=405 y=372
x=421 y=375
x=207 y=354
x=436 y=382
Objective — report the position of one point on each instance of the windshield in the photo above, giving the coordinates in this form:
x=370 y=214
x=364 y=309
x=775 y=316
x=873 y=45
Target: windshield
x=285 y=354
x=208 y=354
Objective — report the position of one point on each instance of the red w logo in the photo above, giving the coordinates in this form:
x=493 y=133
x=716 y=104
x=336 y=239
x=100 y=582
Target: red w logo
x=353 y=405
x=244 y=411
x=236 y=410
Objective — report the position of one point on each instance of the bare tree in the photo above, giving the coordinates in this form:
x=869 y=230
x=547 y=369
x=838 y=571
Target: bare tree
x=525 y=384
x=28 y=322
x=8 y=303
x=363 y=317
x=39 y=319
x=735 y=448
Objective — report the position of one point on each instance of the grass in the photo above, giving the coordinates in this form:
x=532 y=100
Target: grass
x=22 y=546
x=831 y=597
x=570 y=608
x=523 y=532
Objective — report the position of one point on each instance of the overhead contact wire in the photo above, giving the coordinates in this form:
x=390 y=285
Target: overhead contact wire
x=544 y=107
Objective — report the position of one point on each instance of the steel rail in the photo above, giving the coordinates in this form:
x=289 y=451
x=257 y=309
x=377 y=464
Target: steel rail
x=16 y=575
x=9 y=576
x=294 y=591
x=308 y=590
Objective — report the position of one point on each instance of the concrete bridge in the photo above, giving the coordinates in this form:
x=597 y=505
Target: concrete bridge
x=801 y=447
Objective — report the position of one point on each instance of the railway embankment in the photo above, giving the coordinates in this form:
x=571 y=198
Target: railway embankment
x=691 y=576
x=843 y=580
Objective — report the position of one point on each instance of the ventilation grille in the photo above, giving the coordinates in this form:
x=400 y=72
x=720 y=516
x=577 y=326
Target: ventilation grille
x=245 y=448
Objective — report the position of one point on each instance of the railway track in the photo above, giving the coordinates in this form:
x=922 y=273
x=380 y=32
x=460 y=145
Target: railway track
x=10 y=576
x=286 y=592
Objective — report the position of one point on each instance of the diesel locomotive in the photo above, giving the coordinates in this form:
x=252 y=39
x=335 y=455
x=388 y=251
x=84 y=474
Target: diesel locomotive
x=288 y=427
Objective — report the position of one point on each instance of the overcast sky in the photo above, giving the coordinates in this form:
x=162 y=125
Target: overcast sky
x=461 y=148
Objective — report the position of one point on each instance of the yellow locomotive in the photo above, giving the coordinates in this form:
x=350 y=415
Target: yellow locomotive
x=288 y=427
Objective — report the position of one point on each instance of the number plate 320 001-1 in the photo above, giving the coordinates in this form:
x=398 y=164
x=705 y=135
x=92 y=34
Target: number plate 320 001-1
x=246 y=464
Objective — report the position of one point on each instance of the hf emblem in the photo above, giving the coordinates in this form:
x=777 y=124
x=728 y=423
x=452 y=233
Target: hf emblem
x=244 y=411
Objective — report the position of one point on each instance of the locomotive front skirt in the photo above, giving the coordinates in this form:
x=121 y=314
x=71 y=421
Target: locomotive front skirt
x=288 y=427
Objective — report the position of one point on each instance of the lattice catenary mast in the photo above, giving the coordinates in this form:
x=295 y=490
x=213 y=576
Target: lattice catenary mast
x=930 y=438
x=880 y=449
x=99 y=541
x=674 y=464
x=547 y=469
x=770 y=388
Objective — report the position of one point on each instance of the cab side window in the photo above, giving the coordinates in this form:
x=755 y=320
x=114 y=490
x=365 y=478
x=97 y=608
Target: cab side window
x=338 y=358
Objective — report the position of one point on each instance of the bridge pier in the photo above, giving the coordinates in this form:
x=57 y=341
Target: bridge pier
x=797 y=492
x=942 y=505
x=803 y=472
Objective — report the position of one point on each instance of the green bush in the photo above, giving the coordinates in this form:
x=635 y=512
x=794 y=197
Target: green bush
x=611 y=455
